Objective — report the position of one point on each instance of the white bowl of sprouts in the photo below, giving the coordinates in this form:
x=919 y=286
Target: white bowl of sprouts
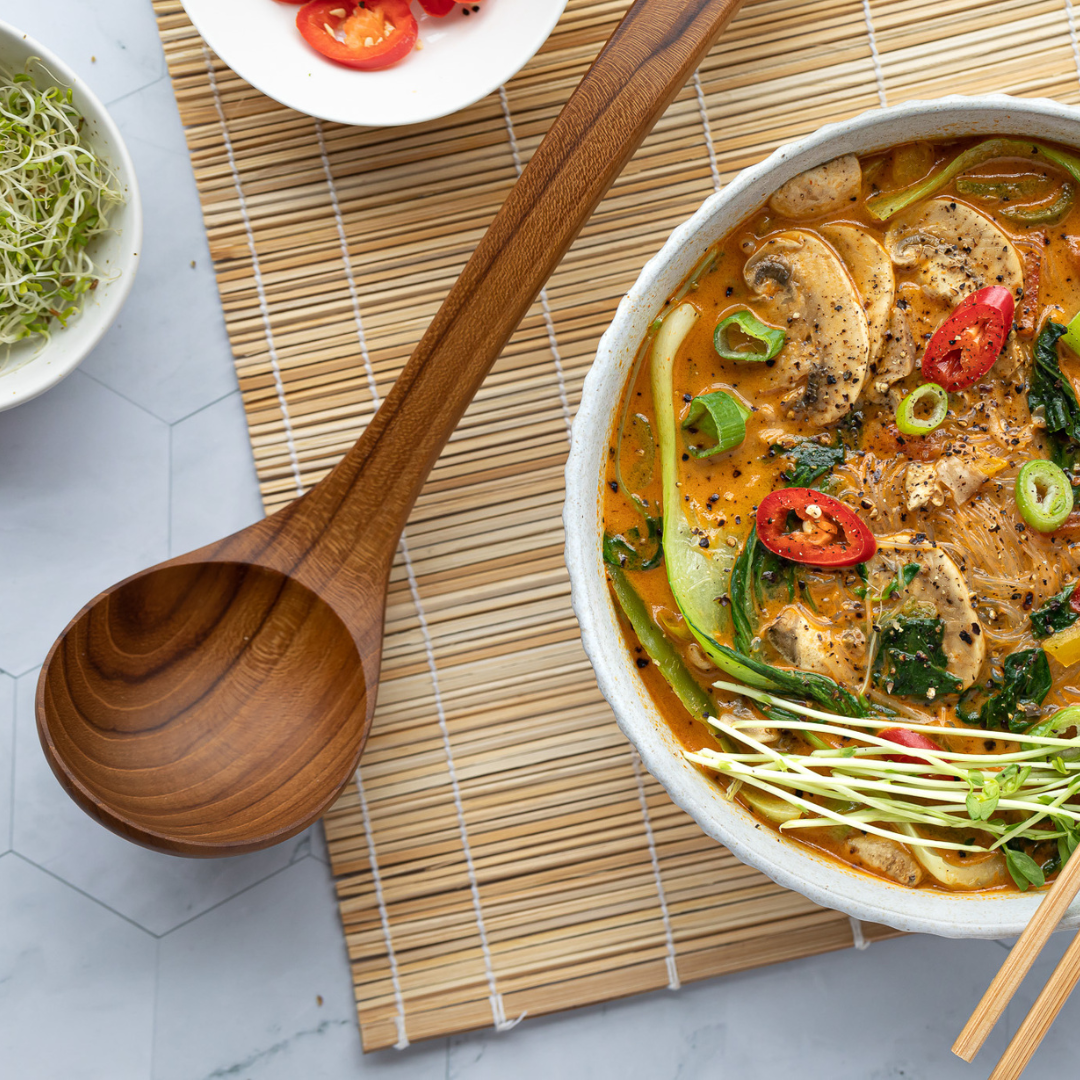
x=70 y=219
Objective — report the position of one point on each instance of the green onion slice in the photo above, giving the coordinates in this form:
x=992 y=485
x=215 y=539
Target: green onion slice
x=1044 y=495
x=720 y=418
x=883 y=205
x=923 y=410
x=999 y=189
x=770 y=339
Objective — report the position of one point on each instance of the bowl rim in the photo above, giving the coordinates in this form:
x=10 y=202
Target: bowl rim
x=821 y=879
x=130 y=241
x=335 y=116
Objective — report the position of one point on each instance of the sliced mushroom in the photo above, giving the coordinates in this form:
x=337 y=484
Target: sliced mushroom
x=883 y=856
x=800 y=283
x=896 y=362
x=953 y=250
x=939 y=582
x=813 y=644
x=961 y=474
x=871 y=270
x=820 y=190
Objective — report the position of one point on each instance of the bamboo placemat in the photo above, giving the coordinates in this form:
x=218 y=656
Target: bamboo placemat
x=503 y=852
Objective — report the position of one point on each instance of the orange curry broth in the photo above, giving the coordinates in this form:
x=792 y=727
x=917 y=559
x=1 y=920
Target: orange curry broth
x=724 y=491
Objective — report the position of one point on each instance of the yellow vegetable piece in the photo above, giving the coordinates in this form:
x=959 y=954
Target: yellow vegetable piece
x=1064 y=646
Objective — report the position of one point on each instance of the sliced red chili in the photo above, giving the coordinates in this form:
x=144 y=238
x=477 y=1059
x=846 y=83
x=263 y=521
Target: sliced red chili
x=1074 y=600
x=910 y=739
x=827 y=533
x=438 y=7
x=965 y=346
x=368 y=37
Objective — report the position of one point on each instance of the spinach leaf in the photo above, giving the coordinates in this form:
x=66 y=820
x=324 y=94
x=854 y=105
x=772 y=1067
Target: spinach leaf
x=1052 y=392
x=1024 y=682
x=631 y=551
x=912 y=661
x=810 y=461
x=1054 y=615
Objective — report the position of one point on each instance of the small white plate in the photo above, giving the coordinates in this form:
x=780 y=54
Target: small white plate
x=464 y=58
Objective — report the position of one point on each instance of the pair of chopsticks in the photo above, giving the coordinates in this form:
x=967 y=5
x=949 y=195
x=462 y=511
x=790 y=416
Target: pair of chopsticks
x=1007 y=981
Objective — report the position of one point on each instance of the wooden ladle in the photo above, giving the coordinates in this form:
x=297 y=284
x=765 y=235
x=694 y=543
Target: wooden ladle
x=218 y=703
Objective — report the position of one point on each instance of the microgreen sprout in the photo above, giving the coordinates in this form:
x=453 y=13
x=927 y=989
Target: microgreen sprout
x=54 y=199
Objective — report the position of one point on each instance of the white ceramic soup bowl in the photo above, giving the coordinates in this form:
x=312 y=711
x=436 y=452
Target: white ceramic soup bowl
x=790 y=864
x=35 y=365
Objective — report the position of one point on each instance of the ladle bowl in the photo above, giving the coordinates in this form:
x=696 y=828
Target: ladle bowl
x=218 y=703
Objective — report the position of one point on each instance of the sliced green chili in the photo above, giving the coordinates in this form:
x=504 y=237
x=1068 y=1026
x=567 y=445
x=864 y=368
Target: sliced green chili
x=923 y=410
x=883 y=205
x=720 y=419
x=660 y=650
x=1050 y=214
x=770 y=339
x=1043 y=495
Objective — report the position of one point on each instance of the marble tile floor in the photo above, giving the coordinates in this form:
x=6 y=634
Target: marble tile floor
x=119 y=964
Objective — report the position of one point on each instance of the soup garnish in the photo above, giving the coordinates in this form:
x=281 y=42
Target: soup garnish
x=841 y=516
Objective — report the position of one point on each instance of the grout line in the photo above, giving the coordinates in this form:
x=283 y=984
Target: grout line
x=82 y=892
x=208 y=405
x=123 y=397
x=264 y=307
x=384 y=916
x=714 y=168
x=857 y=938
x=549 y=322
x=654 y=856
x=1072 y=35
x=879 y=71
x=497 y=1010
x=11 y=814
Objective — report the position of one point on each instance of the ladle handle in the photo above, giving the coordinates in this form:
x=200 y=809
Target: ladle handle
x=643 y=66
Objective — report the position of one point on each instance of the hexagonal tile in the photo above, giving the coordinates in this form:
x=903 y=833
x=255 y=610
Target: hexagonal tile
x=159 y=892
x=7 y=757
x=85 y=495
x=76 y=983
x=107 y=46
x=214 y=488
x=168 y=350
x=278 y=948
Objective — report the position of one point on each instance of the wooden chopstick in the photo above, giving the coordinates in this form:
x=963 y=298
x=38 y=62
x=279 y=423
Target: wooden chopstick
x=1042 y=1014
x=1018 y=963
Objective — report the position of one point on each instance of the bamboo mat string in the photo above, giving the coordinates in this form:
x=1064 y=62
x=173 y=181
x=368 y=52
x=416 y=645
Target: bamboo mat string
x=1070 y=15
x=879 y=72
x=714 y=168
x=264 y=307
x=857 y=936
x=545 y=306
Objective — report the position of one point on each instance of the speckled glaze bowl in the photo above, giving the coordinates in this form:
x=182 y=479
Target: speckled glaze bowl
x=821 y=879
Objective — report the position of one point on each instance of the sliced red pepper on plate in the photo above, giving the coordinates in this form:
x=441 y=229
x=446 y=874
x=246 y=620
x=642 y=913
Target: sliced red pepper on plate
x=965 y=346
x=368 y=37
x=828 y=533
x=438 y=7
x=911 y=739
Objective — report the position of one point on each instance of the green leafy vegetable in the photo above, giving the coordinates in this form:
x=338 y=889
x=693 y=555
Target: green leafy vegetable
x=810 y=460
x=912 y=661
x=1024 y=683
x=999 y=189
x=54 y=199
x=1055 y=614
x=1049 y=214
x=1025 y=871
x=631 y=551
x=1051 y=394
x=757 y=572
x=720 y=418
x=660 y=649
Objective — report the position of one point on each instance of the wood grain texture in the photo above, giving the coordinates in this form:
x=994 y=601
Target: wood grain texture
x=217 y=704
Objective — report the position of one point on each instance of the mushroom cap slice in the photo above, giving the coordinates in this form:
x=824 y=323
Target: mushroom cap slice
x=953 y=250
x=896 y=362
x=871 y=270
x=799 y=282
x=820 y=190
x=940 y=582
